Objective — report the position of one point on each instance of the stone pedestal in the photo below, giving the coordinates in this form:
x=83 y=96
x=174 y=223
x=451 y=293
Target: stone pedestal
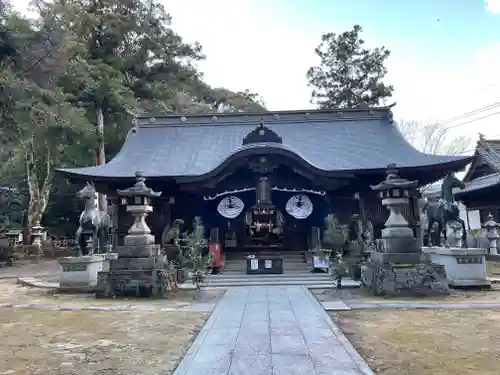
x=140 y=269
x=135 y=276
x=464 y=267
x=414 y=280
x=80 y=274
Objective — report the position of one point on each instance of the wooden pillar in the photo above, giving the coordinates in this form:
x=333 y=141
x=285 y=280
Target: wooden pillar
x=361 y=206
x=113 y=211
x=415 y=213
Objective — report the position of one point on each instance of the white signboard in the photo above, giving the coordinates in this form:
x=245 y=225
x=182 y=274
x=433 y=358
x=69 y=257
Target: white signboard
x=472 y=218
x=269 y=264
x=320 y=262
x=254 y=264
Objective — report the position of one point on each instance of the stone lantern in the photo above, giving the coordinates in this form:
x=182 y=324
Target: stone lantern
x=398 y=266
x=138 y=201
x=140 y=269
x=491 y=228
x=395 y=193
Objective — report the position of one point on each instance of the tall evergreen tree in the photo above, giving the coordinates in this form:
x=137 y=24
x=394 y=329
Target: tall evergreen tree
x=350 y=75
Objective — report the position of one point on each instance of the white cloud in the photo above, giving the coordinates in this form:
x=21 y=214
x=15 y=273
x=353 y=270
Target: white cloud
x=251 y=44
x=248 y=47
x=256 y=45
x=492 y=6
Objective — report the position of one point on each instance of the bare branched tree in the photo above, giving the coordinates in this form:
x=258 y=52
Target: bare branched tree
x=433 y=138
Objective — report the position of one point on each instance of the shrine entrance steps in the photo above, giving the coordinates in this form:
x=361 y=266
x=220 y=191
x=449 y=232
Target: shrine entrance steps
x=295 y=272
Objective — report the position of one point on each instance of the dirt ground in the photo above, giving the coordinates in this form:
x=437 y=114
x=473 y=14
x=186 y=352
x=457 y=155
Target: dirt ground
x=483 y=295
x=12 y=293
x=27 y=268
x=94 y=342
x=493 y=269
x=456 y=295
x=425 y=342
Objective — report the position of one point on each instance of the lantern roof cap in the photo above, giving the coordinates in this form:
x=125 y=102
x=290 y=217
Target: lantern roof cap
x=139 y=189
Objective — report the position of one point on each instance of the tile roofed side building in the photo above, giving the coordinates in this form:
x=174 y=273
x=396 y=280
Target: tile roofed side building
x=482 y=181
x=327 y=141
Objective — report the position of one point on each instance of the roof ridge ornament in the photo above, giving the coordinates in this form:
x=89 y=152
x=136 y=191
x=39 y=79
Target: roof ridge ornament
x=262 y=134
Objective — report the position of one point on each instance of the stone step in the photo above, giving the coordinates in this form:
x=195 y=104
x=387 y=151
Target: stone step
x=243 y=260
x=291 y=276
x=243 y=265
x=284 y=255
x=312 y=284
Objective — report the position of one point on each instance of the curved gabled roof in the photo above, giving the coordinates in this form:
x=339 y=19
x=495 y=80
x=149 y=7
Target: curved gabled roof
x=327 y=140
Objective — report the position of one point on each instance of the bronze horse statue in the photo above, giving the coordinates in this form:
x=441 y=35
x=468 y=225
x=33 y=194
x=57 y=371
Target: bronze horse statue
x=94 y=224
x=443 y=211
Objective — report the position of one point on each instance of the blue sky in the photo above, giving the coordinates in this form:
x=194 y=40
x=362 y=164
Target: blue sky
x=424 y=28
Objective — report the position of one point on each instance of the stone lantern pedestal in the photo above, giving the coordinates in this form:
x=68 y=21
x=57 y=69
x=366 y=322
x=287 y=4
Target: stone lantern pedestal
x=398 y=267
x=139 y=270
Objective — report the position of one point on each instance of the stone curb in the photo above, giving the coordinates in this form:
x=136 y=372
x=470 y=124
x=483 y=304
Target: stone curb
x=188 y=357
x=33 y=282
x=200 y=308
x=329 y=306
x=17 y=277
x=344 y=341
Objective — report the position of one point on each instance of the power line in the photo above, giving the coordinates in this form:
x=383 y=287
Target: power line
x=470 y=121
x=467 y=114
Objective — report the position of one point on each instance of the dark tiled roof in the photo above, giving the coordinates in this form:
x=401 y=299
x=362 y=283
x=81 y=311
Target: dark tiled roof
x=328 y=140
x=490 y=152
x=480 y=183
x=487 y=152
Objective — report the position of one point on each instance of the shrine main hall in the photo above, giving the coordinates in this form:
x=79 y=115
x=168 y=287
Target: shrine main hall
x=263 y=180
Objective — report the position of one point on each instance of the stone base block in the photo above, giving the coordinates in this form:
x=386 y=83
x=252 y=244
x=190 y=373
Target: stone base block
x=132 y=283
x=420 y=280
x=464 y=267
x=139 y=239
x=138 y=263
x=138 y=251
x=80 y=274
x=398 y=244
x=400 y=258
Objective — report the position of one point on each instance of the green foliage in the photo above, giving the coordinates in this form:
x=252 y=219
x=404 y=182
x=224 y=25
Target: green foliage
x=193 y=244
x=350 y=75
x=78 y=57
x=338 y=269
x=333 y=235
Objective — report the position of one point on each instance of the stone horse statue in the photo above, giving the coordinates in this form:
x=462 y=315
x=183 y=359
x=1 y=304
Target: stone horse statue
x=94 y=224
x=443 y=211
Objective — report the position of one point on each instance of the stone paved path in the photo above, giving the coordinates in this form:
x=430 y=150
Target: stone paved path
x=271 y=331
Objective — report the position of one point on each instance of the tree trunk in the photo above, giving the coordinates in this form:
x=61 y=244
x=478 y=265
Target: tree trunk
x=101 y=154
x=38 y=193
